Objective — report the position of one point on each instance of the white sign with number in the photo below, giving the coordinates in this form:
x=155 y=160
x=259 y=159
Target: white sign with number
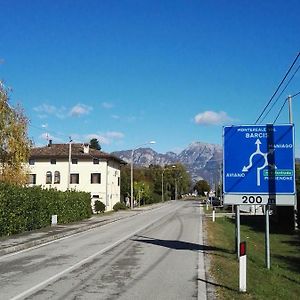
x=259 y=199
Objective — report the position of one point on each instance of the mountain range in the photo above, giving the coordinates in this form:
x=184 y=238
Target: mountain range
x=202 y=160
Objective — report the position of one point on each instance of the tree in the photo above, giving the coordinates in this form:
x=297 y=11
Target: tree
x=94 y=144
x=14 y=142
x=202 y=186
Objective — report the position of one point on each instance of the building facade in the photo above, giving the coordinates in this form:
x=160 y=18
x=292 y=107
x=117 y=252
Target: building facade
x=77 y=167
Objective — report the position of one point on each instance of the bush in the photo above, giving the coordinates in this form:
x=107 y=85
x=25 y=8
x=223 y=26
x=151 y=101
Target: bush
x=99 y=206
x=28 y=208
x=119 y=206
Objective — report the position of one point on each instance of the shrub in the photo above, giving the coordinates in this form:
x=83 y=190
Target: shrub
x=99 y=206
x=119 y=206
x=28 y=208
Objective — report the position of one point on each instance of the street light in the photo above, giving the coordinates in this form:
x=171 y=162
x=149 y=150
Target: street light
x=175 y=184
x=162 y=184
x=131 y=170
x=69 y=163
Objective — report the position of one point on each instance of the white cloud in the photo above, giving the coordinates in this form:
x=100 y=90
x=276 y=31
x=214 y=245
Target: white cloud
x=107 y=105
x=45 y=109
x=80 y=109
x=114 y=134
x=116 y=117
x=105 y=138
x=212 y=118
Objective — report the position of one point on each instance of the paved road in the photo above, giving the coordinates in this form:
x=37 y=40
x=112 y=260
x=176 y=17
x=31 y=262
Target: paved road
x=153 y=255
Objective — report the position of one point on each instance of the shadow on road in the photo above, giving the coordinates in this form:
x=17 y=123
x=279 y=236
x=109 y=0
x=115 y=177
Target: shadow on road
x=217 y=285
x=177 y=245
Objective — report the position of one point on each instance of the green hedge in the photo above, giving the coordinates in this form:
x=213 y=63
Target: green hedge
x=119 y=206
x=28 y=208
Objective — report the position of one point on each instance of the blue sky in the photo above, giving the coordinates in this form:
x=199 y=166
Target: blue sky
x=131 y=71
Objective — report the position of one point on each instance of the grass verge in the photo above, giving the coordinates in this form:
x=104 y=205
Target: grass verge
x=281 y=282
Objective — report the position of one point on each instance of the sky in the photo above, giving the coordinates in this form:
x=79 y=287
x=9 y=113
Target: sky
x=133 y=71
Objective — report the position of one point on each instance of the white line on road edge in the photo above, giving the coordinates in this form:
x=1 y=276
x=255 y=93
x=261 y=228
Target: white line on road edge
x=80 y=263
x=74 y=234
x=201 y=266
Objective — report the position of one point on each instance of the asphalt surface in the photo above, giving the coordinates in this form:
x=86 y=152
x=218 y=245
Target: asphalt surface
x=41 y=236
x=153 y=253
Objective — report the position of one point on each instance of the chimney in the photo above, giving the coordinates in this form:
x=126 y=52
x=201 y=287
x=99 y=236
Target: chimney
x=50 y=143
x=86 y=148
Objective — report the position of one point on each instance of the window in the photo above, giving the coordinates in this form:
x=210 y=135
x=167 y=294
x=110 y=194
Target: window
x=95 y=178
x=74 y=178
x=53 y=161
x=57 y=177
x=48 y=177
x=31 y=162
x=31 y=179
x=118 y=181
x=74 y=161
x=96 y=161
x=96 y=196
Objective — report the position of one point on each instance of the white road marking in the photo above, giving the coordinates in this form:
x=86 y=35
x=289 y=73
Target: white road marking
x=72 y=235
x=80 y=263
x=201 y=267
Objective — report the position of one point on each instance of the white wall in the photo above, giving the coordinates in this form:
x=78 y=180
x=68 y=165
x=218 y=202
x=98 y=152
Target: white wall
x=109 y=178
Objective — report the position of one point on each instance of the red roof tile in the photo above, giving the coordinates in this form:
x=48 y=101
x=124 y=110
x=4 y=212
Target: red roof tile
x=62 y=151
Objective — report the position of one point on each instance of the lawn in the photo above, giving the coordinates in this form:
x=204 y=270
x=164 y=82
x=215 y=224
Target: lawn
x=282 y=281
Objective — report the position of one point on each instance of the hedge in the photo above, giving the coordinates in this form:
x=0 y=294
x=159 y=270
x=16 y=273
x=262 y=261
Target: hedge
x=28 y=208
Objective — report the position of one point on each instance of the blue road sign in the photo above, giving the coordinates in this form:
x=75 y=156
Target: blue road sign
x=259 y=159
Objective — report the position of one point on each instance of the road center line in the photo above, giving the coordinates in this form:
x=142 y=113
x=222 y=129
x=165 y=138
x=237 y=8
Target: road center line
x=80 y=263
x=74 y=234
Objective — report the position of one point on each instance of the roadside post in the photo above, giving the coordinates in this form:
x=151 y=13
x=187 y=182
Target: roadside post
x=242 y=267
x=214 y=215
x=267 y=238
x=54 y=220
x=258 y=169
x=238 y=229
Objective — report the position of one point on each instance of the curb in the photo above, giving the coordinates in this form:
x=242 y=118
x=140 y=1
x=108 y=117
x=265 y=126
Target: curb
x=40 y=242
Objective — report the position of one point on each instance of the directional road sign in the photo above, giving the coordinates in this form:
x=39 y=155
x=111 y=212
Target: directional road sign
x=259 y=164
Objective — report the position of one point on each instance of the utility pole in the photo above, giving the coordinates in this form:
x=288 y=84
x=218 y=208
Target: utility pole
x=291 y=122
x=69 y=165
x=162 y=185
x=290 y=109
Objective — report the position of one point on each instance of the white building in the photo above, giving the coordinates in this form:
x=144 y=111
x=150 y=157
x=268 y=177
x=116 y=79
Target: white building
x=77 y=167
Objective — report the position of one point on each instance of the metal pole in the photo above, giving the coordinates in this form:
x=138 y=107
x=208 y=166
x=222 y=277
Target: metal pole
x=69 y=163
x=291 y=122
x=131 y=180
x=175 y=189
x=290 y=109
x=238 y=225
x=162 y=185
x=267 y=239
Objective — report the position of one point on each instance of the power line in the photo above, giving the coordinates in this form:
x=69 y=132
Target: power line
x=279 y=86
x=295 y=95
x=285 y=87
x=280 y=110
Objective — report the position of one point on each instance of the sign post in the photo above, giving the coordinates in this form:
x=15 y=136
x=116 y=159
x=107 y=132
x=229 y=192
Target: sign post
x=267 y=239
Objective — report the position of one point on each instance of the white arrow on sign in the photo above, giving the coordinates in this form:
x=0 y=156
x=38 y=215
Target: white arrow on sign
x=266 y=162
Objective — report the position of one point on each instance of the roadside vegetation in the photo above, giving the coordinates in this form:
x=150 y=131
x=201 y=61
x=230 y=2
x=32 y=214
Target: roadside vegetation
x=24 y=209
x=282 y=281
x=148 y=183
x=14 y=142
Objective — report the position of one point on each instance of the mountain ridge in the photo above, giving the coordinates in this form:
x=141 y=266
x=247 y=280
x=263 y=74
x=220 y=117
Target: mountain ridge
x=202 y=160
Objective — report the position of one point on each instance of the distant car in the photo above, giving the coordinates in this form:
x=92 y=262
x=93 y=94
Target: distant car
x=214 y=201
